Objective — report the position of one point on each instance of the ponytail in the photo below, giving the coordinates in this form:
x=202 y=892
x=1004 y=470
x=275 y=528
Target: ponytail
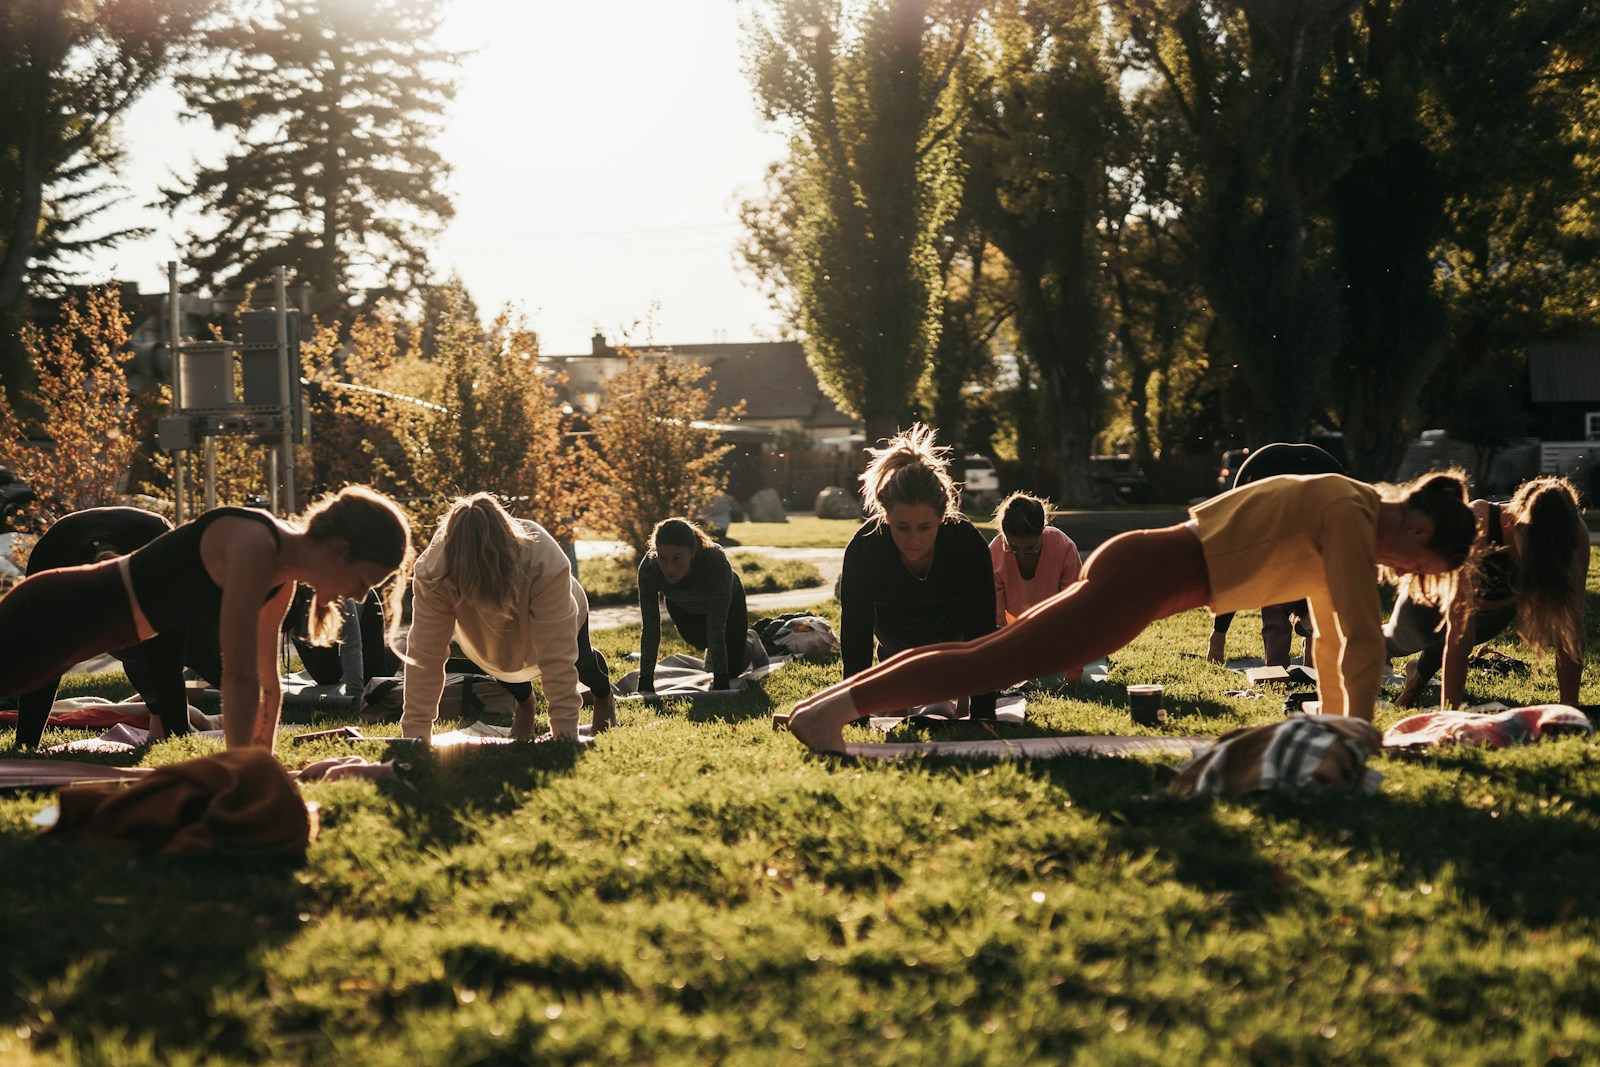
x=1549 y=592
x=910 y=469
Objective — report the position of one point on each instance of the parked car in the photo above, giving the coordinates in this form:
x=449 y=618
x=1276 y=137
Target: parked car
x=1117 y=478
x=981 y=477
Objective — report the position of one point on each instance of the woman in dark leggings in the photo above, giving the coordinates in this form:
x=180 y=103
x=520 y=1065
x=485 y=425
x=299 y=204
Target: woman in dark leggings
x=1322 y=537
x=705 y=601
x=235 y=565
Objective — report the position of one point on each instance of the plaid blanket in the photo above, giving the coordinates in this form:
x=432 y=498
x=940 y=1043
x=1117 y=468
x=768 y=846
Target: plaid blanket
x=1304 y=754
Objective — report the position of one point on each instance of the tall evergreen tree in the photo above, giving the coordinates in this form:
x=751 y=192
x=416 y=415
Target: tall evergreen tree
x=334 y=104
x=67 y=72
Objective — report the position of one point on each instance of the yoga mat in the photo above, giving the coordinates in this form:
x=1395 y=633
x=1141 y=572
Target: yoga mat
x=1034 y=747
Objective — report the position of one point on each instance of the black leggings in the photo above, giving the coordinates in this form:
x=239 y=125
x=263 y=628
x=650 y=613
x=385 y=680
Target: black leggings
x=593 y=670
x=694 y=628
x=53 y=620
x=1417 y=629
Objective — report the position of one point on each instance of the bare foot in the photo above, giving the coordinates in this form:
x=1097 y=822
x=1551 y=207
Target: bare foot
x=1215 y=647
x=819 y=721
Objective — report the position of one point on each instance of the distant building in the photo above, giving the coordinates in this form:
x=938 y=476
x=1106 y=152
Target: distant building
x=778 y=388
x=1564 y=385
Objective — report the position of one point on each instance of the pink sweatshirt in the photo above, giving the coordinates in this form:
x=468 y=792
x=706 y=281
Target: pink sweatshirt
x=1058 y=568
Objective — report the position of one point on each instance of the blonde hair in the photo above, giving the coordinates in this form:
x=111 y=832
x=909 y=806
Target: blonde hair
x=1549 y=593
x=482 y=554
x=376 y=531
x=910 y=469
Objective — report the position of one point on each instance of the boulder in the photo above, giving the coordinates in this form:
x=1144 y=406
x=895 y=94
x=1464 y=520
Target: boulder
x=766 y=506
x=836 y=503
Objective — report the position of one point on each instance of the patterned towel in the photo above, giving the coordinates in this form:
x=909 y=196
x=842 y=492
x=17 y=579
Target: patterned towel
x=1305 y=754
x=1519 y=726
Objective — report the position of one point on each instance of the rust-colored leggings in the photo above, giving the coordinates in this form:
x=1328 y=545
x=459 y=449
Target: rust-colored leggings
x=55 y=619
x=1129 y=582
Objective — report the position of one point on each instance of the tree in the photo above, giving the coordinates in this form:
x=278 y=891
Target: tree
x=1244 y=76
x=77 y=453
x=334 y=105
x=873 y=105
x=651 y=455
x=1036 y=158
x=67 y=72
x=471 y=410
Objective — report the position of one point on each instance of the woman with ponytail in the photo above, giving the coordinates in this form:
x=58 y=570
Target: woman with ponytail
x=503 y=589
x=917 y=572
x=232 y=568
x=1322 y=537
x=1534 y=562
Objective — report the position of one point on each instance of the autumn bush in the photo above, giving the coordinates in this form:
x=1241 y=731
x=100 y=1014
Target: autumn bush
x=74 y=438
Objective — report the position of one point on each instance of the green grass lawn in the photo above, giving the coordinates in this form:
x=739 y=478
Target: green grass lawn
x=694 y=888
x=609 y=582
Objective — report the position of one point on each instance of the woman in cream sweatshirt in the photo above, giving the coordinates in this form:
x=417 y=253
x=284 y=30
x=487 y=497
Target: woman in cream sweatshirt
x=502 y=588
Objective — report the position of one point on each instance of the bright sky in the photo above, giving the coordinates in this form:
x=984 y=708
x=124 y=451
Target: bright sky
x=600 y=148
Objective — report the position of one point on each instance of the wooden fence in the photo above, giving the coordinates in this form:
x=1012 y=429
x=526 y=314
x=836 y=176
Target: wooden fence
x=800 y=476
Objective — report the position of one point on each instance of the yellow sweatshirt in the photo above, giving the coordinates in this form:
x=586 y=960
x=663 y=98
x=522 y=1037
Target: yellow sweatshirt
x=1313 y=537
x=539 y=641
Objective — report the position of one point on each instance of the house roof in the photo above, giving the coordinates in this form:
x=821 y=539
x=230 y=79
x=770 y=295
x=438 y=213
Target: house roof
x=771 y=377
x=1564 y=372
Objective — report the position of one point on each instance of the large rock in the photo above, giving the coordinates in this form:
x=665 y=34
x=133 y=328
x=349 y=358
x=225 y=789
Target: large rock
x=836 y=503
x=766 y=506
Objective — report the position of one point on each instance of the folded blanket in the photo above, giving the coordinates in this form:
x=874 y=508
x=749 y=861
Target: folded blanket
x=239 y=802
x=1517 y=726
x=1308 y=753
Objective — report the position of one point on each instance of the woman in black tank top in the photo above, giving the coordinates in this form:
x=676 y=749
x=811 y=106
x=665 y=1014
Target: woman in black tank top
x=237 y=565
x=1533 y=561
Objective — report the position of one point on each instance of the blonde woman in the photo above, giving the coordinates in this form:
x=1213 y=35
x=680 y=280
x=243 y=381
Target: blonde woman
x=1322 y=537
x=236 y=565
x=503 y=589
x=917 y=572
x=1532 y=571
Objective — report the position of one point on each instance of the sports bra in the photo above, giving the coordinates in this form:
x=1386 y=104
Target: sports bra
x=169 y=577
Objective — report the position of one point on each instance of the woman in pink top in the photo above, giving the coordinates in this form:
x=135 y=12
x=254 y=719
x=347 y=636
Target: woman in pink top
x=1033 y=561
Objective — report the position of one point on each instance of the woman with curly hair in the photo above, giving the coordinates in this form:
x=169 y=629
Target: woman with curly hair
x=1533 y=564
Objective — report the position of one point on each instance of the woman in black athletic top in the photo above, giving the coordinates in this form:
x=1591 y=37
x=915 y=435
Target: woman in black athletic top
x=1533 y=563
x=233 y=564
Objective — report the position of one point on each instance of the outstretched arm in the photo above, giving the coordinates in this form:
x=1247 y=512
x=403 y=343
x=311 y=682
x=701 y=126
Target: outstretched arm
x=249 y=629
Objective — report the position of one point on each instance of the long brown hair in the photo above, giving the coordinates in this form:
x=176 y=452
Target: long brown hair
x=910 y=469
x=376 y=531
x=1442 y=497
x=1549 y=589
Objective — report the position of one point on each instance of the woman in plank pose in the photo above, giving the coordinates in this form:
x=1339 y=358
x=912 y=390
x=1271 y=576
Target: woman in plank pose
x=917 y=572
x=1533 y=565
x=235 y=565
x=1322 y=537
x=503 y=589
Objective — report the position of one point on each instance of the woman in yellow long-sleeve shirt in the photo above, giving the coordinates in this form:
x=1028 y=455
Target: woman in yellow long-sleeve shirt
x=1318 y=537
